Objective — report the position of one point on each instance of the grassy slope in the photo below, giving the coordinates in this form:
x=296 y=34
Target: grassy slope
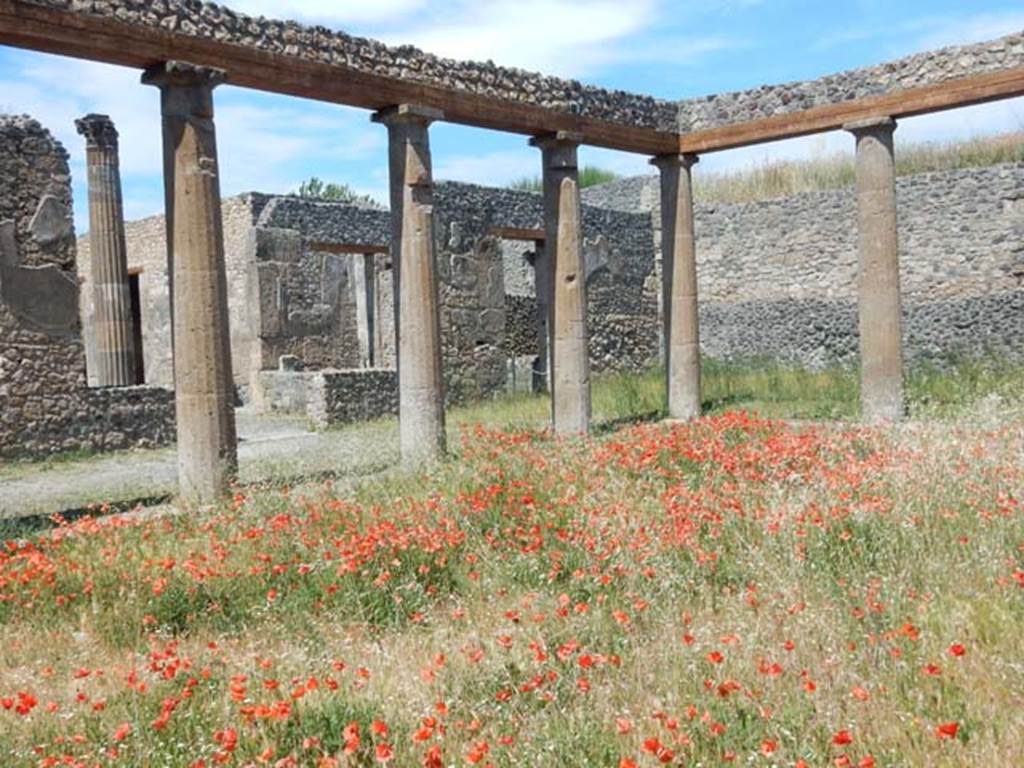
x=732 y=589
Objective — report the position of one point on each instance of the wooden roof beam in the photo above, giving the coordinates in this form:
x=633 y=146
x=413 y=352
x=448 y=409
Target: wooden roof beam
x=87 y=36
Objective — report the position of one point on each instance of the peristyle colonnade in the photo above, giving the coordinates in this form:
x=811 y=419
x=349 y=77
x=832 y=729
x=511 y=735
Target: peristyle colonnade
x=207 y=455
x=187 y=49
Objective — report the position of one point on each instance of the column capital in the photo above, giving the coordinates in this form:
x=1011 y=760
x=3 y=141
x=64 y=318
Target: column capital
x=557 y=140
x=870 y=125
x=182 y=74
x=559 y=148
x=675 y=159
x=404 y=114
x=98 y=130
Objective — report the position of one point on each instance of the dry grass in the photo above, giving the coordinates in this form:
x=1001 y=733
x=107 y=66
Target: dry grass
x=787 y=177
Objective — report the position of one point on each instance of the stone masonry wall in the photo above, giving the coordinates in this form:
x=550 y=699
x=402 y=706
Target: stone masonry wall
x=778 y=278
x=471 y=271
x=621 y=311
x=45 y=406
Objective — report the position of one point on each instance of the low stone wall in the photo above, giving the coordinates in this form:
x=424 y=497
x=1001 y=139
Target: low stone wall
x=342 y=397
x=100 y=419
x=282 y=391
x=778 y=278
x=115 y=418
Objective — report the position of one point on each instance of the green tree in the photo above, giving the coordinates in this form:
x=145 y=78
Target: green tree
x=315 y=189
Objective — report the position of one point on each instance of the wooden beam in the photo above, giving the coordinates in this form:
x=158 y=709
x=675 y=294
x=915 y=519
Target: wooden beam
x=83 y=35
x=517 y=233
x=345 y=248
x=962 y=92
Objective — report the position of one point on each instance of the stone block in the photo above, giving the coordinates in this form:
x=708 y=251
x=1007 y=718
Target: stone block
x=51 y=222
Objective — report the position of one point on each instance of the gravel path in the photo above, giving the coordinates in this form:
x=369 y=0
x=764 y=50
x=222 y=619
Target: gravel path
x=275 y=448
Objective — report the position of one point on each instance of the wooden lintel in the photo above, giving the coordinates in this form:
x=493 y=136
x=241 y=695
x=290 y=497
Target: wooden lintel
x=517 y=233
x=962 y=92
x=98 y=38
x=345 y=248
x=88 y=36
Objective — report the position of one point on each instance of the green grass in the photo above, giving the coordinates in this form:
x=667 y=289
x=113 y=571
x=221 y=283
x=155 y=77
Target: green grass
x=775 y=390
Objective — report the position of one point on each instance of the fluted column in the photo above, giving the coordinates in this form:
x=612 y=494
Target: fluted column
x=417 y=306
x=563 y=244
x=880 y=319
x=113 y=362
x=681 y=325
x=204 y=389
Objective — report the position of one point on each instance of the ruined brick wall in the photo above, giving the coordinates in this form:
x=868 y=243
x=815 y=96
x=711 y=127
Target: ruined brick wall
x=306 y=295
x=147 y=256
x=778 y=278
x=621 y=310
x=146 y=241
x=45 y=406
x=288 y=298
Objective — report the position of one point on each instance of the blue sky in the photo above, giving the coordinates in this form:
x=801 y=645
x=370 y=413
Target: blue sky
x=668 y=49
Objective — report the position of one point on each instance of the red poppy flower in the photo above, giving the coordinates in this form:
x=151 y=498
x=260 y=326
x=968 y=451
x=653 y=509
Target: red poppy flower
x=842 y=738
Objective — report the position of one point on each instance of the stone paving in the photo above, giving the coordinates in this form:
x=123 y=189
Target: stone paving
x=270 y=448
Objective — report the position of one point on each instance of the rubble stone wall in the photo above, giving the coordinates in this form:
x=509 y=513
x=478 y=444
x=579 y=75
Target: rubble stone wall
x=342 y=397
x=778 y=278
x=914 y=71
x=319 y=44
x=45 y=405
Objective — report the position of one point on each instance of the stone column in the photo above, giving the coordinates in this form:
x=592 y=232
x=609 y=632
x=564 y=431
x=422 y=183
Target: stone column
x=417 y=307
x=114 y=340
x=563 y=245
x=204 y=388
x=365 y=287
x=543 y=282
x=681 y=326
x=880 y=321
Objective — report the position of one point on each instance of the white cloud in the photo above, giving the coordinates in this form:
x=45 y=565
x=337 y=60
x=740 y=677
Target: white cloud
x=959 y=30
x=568 y=38
x=491 y=168
x=929 y=32
x=263 y=142
x=967 y=122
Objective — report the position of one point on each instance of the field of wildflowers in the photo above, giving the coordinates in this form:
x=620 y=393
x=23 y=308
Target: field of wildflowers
x=733 y=591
